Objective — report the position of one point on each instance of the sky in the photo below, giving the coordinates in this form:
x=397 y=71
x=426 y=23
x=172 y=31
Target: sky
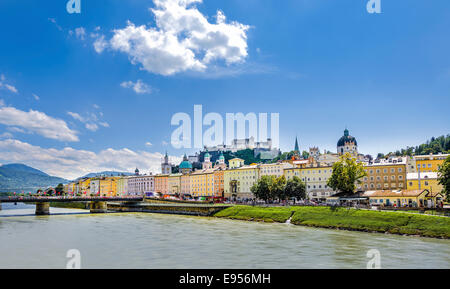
x=96 y=90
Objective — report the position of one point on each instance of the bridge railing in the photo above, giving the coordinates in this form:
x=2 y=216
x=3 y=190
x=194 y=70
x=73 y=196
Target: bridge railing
x=68 y=198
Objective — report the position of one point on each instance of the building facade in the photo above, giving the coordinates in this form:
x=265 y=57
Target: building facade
x=424 y=181
x=202 y=183
x=385 y=175
x=430 y=163
x=140 y=184
x=161 y=184
x=238 y=182
x=174 y=184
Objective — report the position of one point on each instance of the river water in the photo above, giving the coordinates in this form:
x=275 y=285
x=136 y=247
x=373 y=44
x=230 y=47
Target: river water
x=139 y=240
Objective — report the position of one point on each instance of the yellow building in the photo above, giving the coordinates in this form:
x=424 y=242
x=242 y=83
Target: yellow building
x=427 y=181
x=202 y=183
x=238 y=182
x=185 y=182
x=218 y=182
x=406 y=198
x=162 y=184
x=174 y=184
x=108 y=186
x=385 y=175
x=430 y=163
x=315 y=179
x=84 y=186
x=235 y=163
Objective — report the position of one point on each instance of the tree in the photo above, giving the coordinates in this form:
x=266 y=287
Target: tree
x=277 y=188
x=262 y=188
x=59 y=189
x=346 y=174
x=295 y=188
x=444 y=177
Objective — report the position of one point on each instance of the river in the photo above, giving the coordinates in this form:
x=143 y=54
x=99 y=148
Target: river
x=139 y=240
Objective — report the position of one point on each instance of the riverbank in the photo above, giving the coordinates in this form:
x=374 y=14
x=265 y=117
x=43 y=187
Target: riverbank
x=345 y=219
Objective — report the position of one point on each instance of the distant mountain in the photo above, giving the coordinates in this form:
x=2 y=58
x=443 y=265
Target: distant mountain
x=20 y=177
x=107 y=173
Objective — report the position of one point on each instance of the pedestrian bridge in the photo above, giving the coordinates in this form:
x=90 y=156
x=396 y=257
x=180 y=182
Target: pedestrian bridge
x=97 y=204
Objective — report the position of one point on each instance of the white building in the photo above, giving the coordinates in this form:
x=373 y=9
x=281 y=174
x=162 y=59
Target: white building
x=138 y=185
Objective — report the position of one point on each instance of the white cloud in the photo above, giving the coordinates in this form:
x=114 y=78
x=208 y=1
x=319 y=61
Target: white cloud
x=71 y=163
x=91 y=120
x=149 y=144
x=91 y=126
x=76 y=116
x=183 y=39
x=6 y=135
x=53 y=20
x=139 y=86
x=7 y=86
x=36 y=97
x=80 y=32
x=37 y=122
x=2 y=102
x=100 y=43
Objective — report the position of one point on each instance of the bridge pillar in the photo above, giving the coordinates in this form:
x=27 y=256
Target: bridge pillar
x=98 y=207
x=42 y=209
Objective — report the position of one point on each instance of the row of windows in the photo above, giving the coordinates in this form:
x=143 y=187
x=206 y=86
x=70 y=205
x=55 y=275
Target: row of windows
x=385 y=178
x=384 y=170
x=385 y=185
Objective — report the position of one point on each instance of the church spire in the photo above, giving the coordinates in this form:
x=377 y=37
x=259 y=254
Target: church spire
x=296 y=148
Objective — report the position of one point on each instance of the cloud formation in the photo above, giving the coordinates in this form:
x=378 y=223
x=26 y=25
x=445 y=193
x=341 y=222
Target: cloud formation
x=139 y=86
x=91 y=121
x=37 y=122
x=70 y=163
x=4 y=85
x=183 y=39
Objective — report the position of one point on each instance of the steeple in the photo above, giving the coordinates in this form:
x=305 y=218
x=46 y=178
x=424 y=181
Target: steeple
x=296 y=148
x=166 y=158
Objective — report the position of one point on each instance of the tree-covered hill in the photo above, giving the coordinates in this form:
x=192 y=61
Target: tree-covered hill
x=436 y=145
x=18 y=177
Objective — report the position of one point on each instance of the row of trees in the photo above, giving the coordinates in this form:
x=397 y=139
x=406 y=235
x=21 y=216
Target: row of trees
x=444 y=177
x=273 y=188
x=436 y=145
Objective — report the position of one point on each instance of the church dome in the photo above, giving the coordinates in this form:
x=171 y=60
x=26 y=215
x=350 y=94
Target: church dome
x=185 y=164
x=346 y=138
x=207 y=155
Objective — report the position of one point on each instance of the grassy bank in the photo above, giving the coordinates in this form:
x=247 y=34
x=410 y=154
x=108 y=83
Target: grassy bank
x=343 y=218
x=68 y=205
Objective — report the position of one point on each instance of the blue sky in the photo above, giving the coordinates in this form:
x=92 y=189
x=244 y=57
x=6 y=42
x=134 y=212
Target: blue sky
x=322 y=65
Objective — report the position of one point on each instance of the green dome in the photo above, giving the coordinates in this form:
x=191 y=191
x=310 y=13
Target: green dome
x=221 y=157
x=185 y=165
x=207 y=155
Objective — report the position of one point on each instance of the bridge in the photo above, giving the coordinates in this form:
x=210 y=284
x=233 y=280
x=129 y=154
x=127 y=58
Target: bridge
x=97 y=204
